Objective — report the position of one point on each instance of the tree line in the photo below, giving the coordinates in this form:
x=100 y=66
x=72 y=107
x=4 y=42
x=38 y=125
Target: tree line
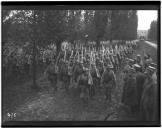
x=152 y=32
x=35 y=29
x=55 y=26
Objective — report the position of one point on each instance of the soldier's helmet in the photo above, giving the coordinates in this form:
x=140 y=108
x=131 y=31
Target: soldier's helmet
x=153 y=65
x=137 y=67
x=130 y=61
x=150 y=70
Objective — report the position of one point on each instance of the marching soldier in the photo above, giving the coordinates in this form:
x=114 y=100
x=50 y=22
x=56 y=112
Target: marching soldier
x=108 y=80
x=51 y=73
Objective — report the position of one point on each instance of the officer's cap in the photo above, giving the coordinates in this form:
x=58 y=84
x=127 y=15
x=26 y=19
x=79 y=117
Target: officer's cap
x=150 y=69
x=136 y=66
x=153 y=65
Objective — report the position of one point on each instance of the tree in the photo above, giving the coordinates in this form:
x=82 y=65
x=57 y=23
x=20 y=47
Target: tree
x=152 y=33
x=132 y=25
x=100 y=20
x=89 y=25
x=6 y=22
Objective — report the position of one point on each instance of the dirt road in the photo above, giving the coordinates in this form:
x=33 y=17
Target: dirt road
x=151 y=44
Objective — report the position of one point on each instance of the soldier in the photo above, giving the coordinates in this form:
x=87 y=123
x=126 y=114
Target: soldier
x=51 y=73
x=129 y=96
x=108 y=80
x=148 y=105
x=83 y=83
x=140 y=79
x=148 y=60
x=139 y=60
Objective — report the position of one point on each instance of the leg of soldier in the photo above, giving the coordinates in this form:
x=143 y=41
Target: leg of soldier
x=67 y=83
x=89 y=90
x=55 y=85
x=92 y=89
x=142 y=114
x=81 y=91
x=109 y=94
x=88 y=93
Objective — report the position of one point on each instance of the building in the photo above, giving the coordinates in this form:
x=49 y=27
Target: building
x=142 y=33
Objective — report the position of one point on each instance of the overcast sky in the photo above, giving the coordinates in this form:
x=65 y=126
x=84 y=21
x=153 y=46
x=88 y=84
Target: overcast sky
x=145 y=17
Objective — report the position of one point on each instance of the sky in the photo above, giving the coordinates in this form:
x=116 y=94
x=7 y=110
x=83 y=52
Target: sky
x=145 y=17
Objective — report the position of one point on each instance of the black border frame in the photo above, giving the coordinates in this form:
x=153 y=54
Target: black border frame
x=113 y=5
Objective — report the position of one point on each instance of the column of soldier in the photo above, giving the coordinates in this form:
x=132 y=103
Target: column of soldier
x=89 y=69
x=140 y=91
x=81 y=60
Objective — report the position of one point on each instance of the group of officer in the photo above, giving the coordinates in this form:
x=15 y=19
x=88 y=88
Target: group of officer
x=140 y=87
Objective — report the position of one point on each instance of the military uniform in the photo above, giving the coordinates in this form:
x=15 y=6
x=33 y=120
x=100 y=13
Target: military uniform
x=140 y=80
x=129 y=96
x=149 y=104
x=52 y=75
x=108 y=80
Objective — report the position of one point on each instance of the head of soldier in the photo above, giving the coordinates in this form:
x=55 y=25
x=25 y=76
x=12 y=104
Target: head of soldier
x=138 y=58
x=137 y=67
x=149 y=71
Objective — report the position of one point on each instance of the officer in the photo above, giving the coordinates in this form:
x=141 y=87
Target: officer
x=148 y=104
x=129 y=96
x=140 y=80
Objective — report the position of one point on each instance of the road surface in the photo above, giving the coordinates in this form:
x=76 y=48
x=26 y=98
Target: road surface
x=151 y=44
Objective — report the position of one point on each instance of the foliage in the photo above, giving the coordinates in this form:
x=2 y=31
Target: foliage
x=152 y=33
x=34 y=30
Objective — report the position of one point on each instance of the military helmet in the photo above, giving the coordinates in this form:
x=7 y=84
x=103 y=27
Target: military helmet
x=153 y=65
x=137 y=67
x=150 y=70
